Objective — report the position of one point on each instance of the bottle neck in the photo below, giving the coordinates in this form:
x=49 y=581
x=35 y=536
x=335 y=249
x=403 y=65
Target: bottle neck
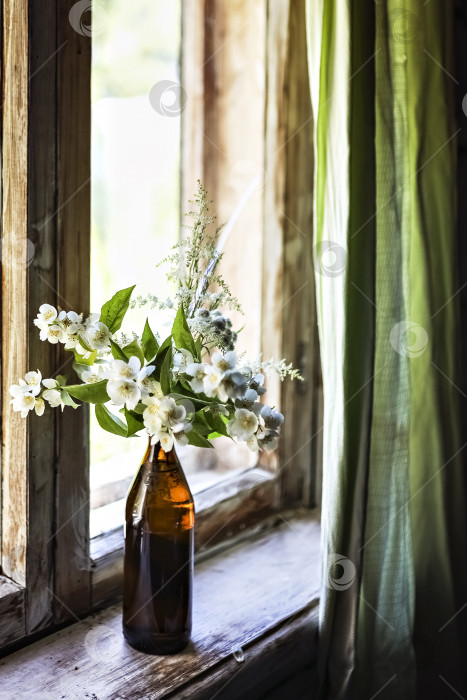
x=159 y=459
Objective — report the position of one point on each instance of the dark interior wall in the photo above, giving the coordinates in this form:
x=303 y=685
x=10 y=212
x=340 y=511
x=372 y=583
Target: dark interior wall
x=461 y=91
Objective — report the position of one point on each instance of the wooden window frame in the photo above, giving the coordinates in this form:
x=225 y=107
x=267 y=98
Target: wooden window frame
x=51 y=572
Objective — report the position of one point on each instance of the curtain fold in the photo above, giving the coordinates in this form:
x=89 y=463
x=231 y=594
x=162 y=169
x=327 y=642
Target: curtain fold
x=394 y=528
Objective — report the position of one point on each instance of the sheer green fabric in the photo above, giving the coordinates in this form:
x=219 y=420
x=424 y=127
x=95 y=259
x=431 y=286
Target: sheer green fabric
x=393 y=493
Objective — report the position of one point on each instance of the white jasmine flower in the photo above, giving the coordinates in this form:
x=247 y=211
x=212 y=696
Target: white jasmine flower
x=18 y=389
x=167 y=440
x=267 y=439
x=182 y=359
x=171 y=413
x=252 y=443
x=249 y=401
x=23 y=402
x=92 y=375
x=33 y=381
x=46 y=316
x=244 y=424
x=181 y=435
x=53 y=394
x=98 y=336
x=91 y=320
x=72 y=342
x=153 y=425
x=219 y=408
x=145 y=383
x=50 y=383
x=124 y=392
x=257 y=384
x=53 y=334
x=118 y=369
x=272 y=419
x=153 y=403
x=224 y=362
x=212 y=378
x=155 y=389
x=153 y=414
x=39 y=406
x=232 y=385
x=70 y=321
x=198 y=372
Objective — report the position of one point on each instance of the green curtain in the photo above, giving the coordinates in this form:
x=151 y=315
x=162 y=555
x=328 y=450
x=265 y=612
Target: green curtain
x=393 y=525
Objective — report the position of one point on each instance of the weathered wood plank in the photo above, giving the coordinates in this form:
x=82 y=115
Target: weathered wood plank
x=272 y=668
x=289 y=326
x=223 y=512
x=299 y=456
x=14 y=283
x=12 y=612
x=192 y=69
x=42 y=285
x=274 y=191
x=239 y=597
x=72 y=577
x=225 y=89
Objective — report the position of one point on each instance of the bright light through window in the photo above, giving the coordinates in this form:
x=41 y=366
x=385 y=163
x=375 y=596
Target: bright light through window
x=135 y=191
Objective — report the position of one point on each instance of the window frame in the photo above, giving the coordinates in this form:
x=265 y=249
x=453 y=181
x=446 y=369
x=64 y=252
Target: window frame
x=45 y=128
x=50 y=573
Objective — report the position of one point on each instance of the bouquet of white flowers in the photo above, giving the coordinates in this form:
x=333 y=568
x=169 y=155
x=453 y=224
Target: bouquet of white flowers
x=192 y=387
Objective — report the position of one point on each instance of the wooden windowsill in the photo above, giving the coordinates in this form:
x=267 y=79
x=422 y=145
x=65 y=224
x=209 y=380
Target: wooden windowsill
x=224 y=512
x=260 y=596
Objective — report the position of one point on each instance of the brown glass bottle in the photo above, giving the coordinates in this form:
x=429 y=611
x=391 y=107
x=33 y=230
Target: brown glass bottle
x=158 y=564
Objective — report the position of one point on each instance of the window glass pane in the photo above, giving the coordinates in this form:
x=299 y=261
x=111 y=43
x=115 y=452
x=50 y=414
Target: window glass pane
x=135 y=192
x=136 y=205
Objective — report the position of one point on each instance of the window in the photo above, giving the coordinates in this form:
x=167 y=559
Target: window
x=249 y=140
x=135 y=166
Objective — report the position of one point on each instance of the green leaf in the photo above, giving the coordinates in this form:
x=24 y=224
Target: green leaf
x=164 y=347
x=140 y=408
x=182 y=390
x=200 y=424
x=61 y=379
x=133 y=349
x=109 y=422
x=210 y=424
x=182 y=334
x=217 y=424
x=166 y=372
x=117 y=351
x=198 y=440
x=149 y=342
x=113 y=311
x=134 y=421
x=80 y=360
x=90 y=393
x=160 y=357
x=84 y=343
x=67 y=400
